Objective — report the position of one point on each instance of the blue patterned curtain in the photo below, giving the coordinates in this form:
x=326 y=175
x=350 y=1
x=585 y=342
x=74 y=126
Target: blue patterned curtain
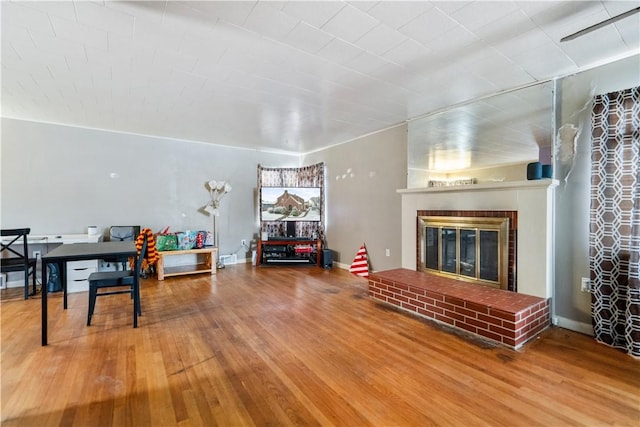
x=614 y=238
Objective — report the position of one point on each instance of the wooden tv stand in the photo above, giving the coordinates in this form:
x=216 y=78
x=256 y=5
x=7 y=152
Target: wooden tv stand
x=208 y=266
x=289 y=242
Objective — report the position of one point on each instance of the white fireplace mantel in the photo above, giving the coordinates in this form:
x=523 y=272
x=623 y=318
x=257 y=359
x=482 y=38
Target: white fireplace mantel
x=491 y=186
x=533 y=200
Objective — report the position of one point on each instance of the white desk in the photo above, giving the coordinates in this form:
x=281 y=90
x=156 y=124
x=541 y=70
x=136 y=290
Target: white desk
x=77 y=272
x=44 y=239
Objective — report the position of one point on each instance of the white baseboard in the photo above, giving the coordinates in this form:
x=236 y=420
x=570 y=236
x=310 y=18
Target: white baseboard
x=233 y=259
x=563 y=322
x=341 y=265
x=73 y=287
x=347 y=266
x=17 y=283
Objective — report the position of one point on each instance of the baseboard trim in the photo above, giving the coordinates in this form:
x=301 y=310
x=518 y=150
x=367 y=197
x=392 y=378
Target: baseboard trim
x=341 y=265
x=583 y=328
x=17 y=283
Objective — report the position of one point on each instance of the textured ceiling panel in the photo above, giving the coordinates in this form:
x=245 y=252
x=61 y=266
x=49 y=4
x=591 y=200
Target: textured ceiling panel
x=299 y=76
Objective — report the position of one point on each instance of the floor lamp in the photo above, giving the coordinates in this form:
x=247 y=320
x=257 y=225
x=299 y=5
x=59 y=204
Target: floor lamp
x=217 y=189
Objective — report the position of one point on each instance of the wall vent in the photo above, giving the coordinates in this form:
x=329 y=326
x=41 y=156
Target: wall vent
x=229 y=259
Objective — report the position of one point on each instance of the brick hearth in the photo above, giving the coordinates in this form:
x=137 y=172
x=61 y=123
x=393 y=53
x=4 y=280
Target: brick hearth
x=498 y=315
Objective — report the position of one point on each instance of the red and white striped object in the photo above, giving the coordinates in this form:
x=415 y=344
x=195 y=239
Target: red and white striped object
x=360 y=264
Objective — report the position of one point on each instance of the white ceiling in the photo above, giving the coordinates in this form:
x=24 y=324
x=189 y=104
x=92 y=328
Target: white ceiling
x=507 y=128
x=282 y=75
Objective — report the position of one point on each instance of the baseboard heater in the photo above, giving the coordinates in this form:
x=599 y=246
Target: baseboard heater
x=229 y=259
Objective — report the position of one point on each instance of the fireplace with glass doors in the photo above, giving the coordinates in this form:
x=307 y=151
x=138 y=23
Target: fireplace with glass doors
x=477 y=249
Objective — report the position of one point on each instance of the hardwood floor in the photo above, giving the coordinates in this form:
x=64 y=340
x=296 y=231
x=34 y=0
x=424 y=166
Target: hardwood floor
x=292 y=346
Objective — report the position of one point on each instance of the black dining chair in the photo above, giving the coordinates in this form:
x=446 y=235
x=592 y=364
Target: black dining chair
x=13 y=260
x=108 y=280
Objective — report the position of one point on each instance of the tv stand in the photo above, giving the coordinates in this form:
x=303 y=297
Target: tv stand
x=284 y=250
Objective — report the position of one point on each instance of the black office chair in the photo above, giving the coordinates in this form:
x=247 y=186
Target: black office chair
x=122 y=233
x=117 y=279
x=16 y=261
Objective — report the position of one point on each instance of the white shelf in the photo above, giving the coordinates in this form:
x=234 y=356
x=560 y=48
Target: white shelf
x=490 y=186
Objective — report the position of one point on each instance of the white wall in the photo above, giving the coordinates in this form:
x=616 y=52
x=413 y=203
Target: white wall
x=60 y=179
x=572 y=306
x=362 y=203
x=57 y=179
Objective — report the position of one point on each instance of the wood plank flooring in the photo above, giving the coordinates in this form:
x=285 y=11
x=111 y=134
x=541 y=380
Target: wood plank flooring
x=292 y=346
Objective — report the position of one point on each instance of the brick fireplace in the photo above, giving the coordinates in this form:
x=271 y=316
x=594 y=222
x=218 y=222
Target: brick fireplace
x=502 y=316
x=532 y=201
x=510 y=317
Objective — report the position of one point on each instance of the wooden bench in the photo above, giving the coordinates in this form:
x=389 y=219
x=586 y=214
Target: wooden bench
x=208 y=264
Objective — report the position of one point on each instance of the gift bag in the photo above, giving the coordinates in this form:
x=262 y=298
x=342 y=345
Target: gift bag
x=208 y=240
x=200 y=239
x=166 y=242
x=186 y=240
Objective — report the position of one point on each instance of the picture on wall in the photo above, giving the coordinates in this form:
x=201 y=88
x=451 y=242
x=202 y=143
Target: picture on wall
x=290 y=204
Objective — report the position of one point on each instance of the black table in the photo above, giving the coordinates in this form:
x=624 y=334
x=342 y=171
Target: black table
x=79 y=252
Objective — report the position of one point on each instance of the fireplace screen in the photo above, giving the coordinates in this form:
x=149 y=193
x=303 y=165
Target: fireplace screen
x=474 y=249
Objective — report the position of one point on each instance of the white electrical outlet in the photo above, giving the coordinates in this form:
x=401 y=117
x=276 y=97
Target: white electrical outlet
x=36 y=254
x=387 y=252
x=244 y=242
x=585 y=284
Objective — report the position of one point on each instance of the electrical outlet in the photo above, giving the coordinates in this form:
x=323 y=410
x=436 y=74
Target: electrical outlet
x=387 y=252
x=585 y=284
x=244 y=242
x=36 y=254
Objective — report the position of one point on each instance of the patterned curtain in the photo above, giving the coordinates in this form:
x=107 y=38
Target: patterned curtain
x=614 y=237
x=306 y=176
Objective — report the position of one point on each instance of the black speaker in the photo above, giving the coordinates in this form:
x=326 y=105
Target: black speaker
x=534 y=170
x=291 y=229
x=327 y=258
